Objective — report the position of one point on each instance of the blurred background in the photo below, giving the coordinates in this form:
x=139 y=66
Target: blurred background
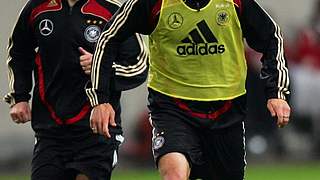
x=295 y=149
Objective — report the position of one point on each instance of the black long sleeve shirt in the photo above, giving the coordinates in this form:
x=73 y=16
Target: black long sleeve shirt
x=259 y=29
x=45 y=41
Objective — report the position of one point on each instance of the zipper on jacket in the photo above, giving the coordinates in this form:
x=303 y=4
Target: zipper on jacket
x=70 y=10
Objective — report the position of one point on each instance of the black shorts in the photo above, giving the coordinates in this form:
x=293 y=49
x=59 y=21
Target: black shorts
x=214 y=147
x=78 y=152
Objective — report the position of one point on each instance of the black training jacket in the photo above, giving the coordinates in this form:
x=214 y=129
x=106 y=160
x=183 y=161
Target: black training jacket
x=45 y=41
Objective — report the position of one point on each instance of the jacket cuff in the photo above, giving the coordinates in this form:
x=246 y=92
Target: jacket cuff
x=13 y=99
x=101 y=98
x=276 y=94
x=95 y=96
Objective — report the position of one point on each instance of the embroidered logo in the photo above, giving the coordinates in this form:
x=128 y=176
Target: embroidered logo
x=52 y=3
x=92 y=33
x=46 y=27
x=223 y=17
x=158 y=142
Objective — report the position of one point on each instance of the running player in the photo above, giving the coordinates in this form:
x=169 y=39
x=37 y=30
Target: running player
x=53 y=39
x=197 y=94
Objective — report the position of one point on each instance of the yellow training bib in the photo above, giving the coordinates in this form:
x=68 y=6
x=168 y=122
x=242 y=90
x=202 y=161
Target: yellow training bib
x=198 y=55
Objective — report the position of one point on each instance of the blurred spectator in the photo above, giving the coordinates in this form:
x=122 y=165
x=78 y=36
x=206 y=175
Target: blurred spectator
x=261 y=129
x=308 y=43
x=138 y=146
x=306 y=77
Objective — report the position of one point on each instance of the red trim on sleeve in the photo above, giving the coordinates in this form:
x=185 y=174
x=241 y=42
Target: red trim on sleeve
x=85 y=109
x=49 y=5
x=238 y=3
x=213 y=116
x=93 y=8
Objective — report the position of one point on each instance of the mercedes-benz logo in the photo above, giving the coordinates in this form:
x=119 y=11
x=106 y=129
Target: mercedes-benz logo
x=175 y=20
x=46 y=27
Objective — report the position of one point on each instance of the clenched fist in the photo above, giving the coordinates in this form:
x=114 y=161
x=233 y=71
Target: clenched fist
x=20 y=112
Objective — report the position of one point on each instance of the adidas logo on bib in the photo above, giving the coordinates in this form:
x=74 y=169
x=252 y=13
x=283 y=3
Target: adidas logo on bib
x=201 y=41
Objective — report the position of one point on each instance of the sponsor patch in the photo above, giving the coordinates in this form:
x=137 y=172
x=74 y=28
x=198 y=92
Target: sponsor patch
x=200 y=41
x=175 y=20
x=46 y=27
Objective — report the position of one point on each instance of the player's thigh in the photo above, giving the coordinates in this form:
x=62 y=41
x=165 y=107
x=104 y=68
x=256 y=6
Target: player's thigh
x=48 y=160
x=226 y=152
x=96 y=157
x=50 y=172
x=172 y=134
x=172 y=131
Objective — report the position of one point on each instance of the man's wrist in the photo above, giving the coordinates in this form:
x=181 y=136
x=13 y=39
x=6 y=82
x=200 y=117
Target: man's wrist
x=15 y=99
x=95 y=97
x=277 y=95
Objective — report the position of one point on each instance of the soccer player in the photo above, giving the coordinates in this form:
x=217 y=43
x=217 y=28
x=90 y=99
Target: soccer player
x=55 y=39
x=197 y=75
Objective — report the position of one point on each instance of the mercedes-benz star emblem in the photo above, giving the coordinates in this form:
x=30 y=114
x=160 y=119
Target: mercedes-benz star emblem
x=46 y=27
x=175 y=20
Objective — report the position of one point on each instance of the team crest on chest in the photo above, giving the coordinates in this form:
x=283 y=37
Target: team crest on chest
x=92 y=33
x=175 y=20
x=223 y=17
x=46 y=27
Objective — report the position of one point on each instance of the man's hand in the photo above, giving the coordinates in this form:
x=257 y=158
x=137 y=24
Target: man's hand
x=20 y=112
x=101 y=117
x=279 y=108
x=85 y=60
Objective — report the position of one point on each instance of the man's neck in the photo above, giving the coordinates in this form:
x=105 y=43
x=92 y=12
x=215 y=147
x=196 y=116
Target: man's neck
x=196 y=4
